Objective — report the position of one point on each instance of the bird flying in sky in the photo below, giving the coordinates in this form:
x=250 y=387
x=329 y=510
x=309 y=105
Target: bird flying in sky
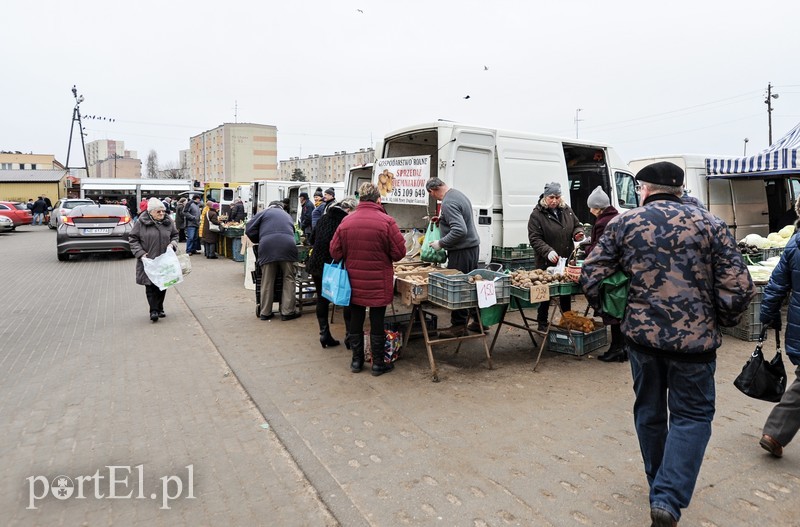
x=466 y=96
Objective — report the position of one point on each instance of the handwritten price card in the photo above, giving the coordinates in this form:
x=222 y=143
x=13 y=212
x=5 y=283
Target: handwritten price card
x=540 y=293
x=486 y=293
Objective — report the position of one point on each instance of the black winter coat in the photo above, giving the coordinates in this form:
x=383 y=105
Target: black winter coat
x=323 y=234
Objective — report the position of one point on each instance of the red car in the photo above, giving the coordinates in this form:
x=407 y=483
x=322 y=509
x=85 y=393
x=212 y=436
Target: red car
x=18 y=212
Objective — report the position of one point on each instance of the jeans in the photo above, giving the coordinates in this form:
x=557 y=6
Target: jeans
x=192 y=243
x=38 y=217
x=672 y=413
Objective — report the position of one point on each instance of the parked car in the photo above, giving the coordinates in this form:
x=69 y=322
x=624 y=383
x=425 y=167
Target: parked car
x=62 y=207
x=18 y=212
x=94 y=229
x=6 y=224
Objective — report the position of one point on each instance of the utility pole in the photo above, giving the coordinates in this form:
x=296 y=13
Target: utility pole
x=76 y=118
x=768 y=102
x=577 y=121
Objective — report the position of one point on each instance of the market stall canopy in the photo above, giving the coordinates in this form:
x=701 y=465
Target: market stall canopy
x=780 y=158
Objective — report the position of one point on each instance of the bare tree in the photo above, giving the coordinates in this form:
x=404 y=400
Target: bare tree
x=171 y=170
x=152 y=165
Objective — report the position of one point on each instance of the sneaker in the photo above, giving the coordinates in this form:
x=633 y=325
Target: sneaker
x=291 y=316
x=770 y=445
x=453 y=332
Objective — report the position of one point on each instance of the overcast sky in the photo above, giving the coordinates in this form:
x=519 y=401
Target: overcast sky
x=677 y=77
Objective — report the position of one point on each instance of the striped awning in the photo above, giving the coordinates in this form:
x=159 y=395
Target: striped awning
x=779 y=158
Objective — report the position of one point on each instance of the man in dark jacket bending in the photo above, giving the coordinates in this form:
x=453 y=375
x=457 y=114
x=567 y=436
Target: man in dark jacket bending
x=273 y=230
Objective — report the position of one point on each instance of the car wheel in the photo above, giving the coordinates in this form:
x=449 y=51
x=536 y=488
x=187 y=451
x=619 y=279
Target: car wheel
x=50 y=226
x=63 y=257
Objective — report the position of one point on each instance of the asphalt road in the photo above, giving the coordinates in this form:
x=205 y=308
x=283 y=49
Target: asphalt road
x=279 y=432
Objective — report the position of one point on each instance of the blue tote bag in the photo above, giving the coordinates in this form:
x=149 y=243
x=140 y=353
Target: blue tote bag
x=336 y=284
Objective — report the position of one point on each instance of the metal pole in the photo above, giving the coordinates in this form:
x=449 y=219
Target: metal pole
x=769 y=111
x=577 y=121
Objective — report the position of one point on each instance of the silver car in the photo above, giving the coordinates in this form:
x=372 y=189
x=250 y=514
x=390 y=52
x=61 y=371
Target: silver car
x=6 y=224
x=94 y=229
x=62 y=207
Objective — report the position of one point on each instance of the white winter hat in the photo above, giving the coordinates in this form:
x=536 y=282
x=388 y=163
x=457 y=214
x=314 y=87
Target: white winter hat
x=598 y=199
x=155 y=204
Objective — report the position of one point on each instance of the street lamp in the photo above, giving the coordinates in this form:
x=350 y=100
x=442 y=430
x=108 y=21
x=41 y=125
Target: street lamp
x=76 y=118
x=746 y=140
x=768 y=102
x=577 y=121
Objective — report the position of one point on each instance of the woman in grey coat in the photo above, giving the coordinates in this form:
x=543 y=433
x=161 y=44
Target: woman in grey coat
x=150 y=236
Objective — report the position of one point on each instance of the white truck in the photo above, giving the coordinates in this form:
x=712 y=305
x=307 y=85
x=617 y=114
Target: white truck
x=757 y=203
x=263 y=192
x=502 y=172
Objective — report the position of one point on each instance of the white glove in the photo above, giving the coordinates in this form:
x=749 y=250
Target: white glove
x=552 y=256
x=436 y=245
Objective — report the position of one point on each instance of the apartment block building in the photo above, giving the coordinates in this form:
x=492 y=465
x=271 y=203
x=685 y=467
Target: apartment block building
x=106 y=156
x=327 y=168
x=235 y=152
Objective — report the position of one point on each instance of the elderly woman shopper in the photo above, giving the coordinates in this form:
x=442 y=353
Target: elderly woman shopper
x=273 y=230
x=784 y=419
x=150 y=237
x=600 y=207
x=208 y=236
x=320 y=255
x=552 y=227
x=368 y=240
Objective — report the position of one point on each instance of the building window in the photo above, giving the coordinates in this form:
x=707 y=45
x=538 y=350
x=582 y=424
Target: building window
x=22 y=166
x=33 y=166
x=6 y=166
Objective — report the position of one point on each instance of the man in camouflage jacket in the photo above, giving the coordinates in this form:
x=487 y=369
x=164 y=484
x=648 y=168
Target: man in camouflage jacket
x=687 y=279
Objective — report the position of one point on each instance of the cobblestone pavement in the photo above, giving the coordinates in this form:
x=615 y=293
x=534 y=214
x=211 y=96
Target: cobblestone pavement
x=87 y=381
x=507 y=446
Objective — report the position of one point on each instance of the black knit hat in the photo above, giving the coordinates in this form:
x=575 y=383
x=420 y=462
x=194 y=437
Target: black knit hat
x=330 y=191
x=663 y=173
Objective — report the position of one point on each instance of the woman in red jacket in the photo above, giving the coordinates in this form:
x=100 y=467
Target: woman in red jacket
x=368 y=240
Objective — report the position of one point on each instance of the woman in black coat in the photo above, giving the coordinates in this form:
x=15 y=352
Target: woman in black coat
x=320 y=255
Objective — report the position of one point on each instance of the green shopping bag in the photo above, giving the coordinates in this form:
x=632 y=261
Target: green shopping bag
x=428 y=253
x=614 y=294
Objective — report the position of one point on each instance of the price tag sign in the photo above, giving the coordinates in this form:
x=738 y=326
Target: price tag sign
x=540 y=293
x=486 y=293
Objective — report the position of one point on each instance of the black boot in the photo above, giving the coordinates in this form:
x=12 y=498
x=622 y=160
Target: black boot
x=347 y=340
x=325 y=337
x=614 y=354
x=357 y=346
x=379 y=365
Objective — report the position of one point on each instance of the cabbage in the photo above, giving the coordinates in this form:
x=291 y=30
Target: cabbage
x=756 y=240
x=787 y=231
x=774 y=237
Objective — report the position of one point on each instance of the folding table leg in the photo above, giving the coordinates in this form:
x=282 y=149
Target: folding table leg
x=483 y=340
x=425 y=335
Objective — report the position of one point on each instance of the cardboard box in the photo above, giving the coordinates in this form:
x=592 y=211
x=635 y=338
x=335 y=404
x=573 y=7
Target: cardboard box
x=413 y=293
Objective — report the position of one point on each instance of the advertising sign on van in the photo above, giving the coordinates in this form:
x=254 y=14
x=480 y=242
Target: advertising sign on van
x=401 y=180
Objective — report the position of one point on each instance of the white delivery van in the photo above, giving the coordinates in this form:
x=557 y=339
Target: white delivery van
x=502 y=172
x=758 y=202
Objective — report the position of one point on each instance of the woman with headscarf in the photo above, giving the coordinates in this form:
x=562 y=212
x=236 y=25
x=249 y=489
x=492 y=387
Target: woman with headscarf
x=320 y=255
x=209 y=237
x=150 y=237
x=600 y=206
x=368 y=240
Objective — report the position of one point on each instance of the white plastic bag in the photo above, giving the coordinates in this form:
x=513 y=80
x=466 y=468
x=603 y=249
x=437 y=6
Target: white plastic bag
x=163 y=271
x=186 y=263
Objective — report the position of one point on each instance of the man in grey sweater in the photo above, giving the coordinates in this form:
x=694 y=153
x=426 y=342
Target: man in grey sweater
x=461 y=240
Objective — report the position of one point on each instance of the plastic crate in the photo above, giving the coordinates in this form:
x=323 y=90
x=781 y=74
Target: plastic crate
x=769 y=253
x=512 y=264
x=522 y=250
x=455 y=291
x=749 y=328
x=558 y=341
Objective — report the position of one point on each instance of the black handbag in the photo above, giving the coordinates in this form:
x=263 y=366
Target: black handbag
x=762 y=379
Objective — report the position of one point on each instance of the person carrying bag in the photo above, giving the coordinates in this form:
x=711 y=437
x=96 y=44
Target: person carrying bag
x=336 y=284
x=762 y=379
